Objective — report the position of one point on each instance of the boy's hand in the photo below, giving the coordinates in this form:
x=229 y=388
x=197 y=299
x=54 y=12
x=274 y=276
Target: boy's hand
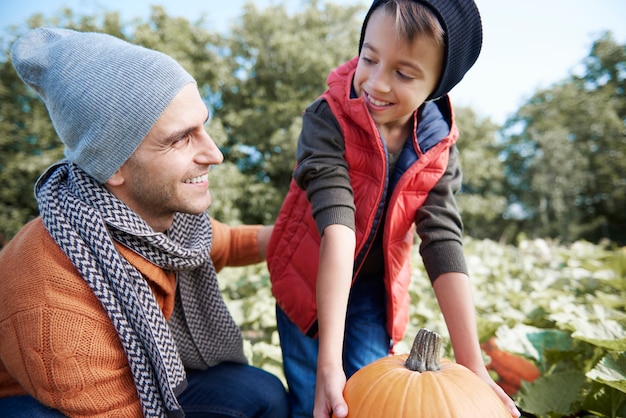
x=506 y=399
x=329 y=394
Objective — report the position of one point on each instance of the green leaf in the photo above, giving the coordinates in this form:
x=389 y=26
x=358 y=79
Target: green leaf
x=605 y=401
x=558 y=393
x=609 y=335
x=595 y=324
x=611 y=370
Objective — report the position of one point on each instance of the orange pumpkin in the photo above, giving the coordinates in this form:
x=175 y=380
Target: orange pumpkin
x=420 y=384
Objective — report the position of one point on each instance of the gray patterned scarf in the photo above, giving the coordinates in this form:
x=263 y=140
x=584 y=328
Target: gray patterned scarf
x=85 y=219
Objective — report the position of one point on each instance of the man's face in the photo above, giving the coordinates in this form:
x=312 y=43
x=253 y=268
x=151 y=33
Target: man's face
x=168 y=172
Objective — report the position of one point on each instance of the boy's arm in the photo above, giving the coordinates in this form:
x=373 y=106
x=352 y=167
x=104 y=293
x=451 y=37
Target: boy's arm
x=454 y=294
x=333 y=287
x=323 y=172
x=439 y=224
x=455 y=299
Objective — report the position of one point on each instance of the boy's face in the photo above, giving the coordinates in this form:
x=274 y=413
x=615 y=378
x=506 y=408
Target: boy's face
x=395 y=76
x=168 y=172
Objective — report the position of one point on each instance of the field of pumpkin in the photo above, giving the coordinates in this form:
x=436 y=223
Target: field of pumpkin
x=552 y=322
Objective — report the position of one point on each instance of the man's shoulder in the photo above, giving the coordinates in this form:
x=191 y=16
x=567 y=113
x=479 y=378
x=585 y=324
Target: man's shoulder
x=31 y=243
x=34 y=267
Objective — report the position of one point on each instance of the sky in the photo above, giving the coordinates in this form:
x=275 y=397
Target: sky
x=527 y=45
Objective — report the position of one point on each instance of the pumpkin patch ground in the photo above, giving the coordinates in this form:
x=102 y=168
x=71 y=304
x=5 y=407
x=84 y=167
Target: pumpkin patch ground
x=560 y=307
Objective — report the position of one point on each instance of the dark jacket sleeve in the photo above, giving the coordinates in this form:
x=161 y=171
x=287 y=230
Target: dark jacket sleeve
x=439 y=225
x=322 y=169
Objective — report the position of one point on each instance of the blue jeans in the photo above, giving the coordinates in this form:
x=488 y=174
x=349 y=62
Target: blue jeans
x=227 y=390
x=366 y=340
x=26 y=407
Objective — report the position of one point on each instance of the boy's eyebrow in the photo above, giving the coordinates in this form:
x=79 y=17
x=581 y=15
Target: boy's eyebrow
x=369 y=46
x=405 y=63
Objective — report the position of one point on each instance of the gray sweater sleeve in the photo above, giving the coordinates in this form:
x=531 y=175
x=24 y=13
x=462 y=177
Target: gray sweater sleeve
x=322 y=170
x=439 y=225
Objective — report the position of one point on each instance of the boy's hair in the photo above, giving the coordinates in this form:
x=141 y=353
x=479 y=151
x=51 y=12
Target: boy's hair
x=414 y=19
x=462 y=33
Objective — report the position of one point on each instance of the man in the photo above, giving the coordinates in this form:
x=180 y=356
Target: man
x=109 y=304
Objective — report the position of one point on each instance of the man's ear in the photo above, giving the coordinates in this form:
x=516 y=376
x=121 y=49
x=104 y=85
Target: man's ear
x=116 y=180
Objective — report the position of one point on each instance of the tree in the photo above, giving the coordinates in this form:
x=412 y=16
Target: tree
x=557 y=168
x=565 y=152
x=279 y=63
x=482 y=200
x=606 y=74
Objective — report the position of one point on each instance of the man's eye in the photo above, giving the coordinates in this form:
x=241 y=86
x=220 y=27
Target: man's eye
x=183 y=140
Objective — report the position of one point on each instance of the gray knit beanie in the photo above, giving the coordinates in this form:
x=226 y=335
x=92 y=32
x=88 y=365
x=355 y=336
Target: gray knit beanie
x=463 y=38
x=103 y=94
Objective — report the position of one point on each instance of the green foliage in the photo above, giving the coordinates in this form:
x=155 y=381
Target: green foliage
x=565 y=152
x=556 y=395
x=28 y=145
x=561 y=307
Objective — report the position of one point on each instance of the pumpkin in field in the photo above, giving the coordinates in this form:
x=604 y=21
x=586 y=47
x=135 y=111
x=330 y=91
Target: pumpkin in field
x=511 y=369
x=420 y=384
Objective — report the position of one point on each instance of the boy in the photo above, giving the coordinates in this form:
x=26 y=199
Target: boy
x=376 y=156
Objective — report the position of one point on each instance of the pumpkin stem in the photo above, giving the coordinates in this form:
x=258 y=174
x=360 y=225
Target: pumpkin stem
x=425 y=352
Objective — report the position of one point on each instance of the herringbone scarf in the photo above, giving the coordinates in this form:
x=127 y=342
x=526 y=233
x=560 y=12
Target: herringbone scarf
x=85 y=219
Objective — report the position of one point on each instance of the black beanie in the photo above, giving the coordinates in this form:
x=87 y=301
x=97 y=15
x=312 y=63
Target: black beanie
x=463 y=38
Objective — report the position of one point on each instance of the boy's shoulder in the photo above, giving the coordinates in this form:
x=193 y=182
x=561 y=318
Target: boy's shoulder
x=322 y=110
x=436 y=112
x=434 y=123
x=319 y=105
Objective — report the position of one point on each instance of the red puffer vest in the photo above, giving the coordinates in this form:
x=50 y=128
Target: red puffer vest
x=293 y=251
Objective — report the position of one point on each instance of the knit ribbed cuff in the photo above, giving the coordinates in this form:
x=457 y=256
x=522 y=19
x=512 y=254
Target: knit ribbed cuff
x=334 y=215
x=444 y=257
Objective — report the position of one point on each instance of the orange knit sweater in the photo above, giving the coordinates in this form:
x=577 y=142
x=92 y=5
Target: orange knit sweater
x=57 y=342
